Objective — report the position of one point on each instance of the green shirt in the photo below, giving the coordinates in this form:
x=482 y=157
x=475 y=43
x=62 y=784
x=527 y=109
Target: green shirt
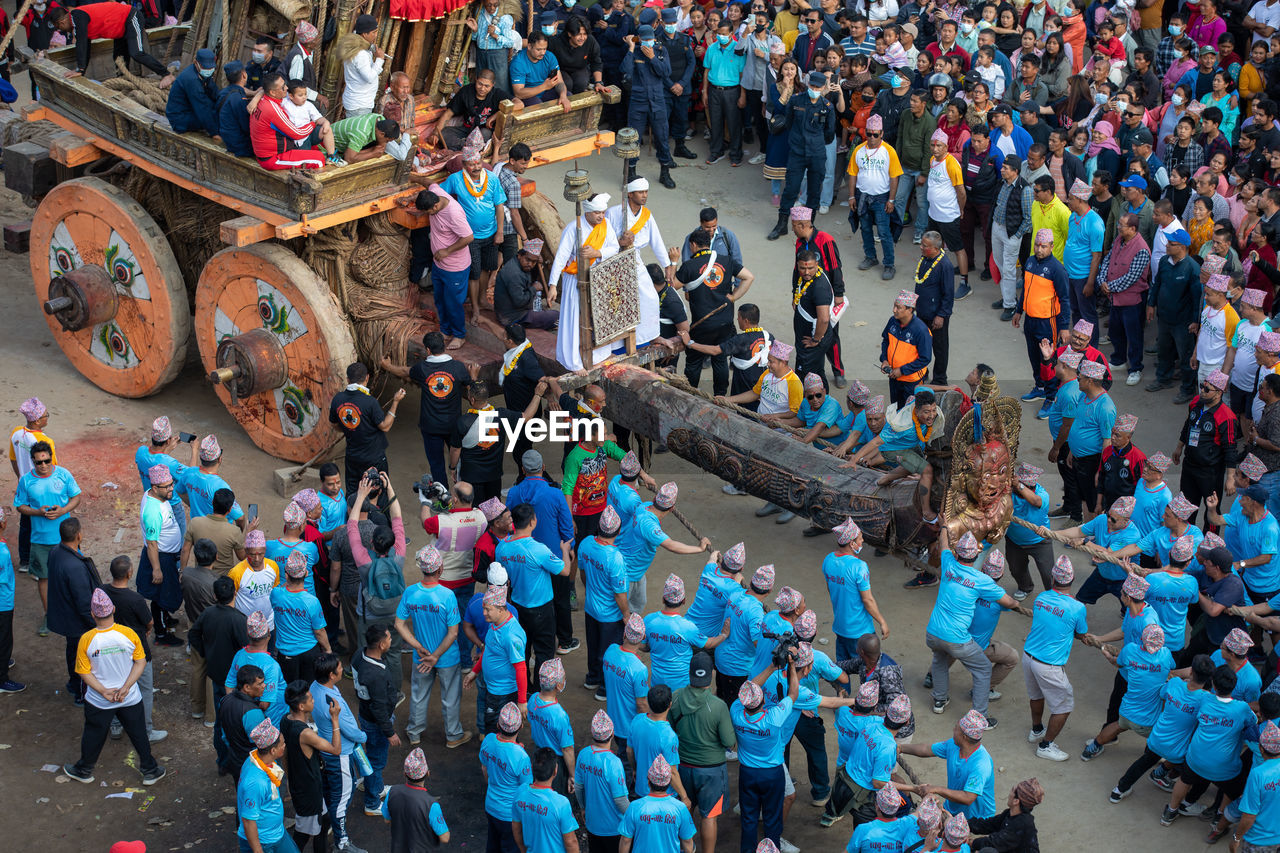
x=586 y=477
x=701 y=719
x=354 y=134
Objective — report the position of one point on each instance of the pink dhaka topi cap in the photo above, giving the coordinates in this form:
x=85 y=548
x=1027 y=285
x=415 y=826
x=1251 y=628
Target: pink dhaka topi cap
x=807 y=625
x=673 y=589
x=1071 y=359
x=1123 y=506
x=868 y=694
x=1045 y=235
x=956 y=829
x=100 y=604
x=1135 y=587
x=610 y=522
x=735 y=558
x=258 y=626
x=780 y=350
x=1092 y=370
x=973 y=724
x=1152 y=639
x=928 y=814
x=306 y=31
x=551 y=674
x=666 y=496
x=1084 y=327
x=633 y=632
x=889 y=801
x=210 y=450
x=906 y=298
x=1126 y=423
x=875 y=122
x=415 y=764
x=601 y=727
x=858 y=394
x=1252 y=467
x=750 y=695
x=875 y=406
x=308 y=499
x=1217 y=379
x=899 y=710
x=429 y=560
x=1028 y=473
x=1159 y=461
x=296 y=565
x=804 y=655
x=1269 y=739
x=1254 y=297
x=509 y=718
x=533 y=246
x=1269 y=342
x=967 y=548
x=492 y=508
x=1183 y=548
x=659 y=772
x=630 y=464
x=33 y=410
x=762 y=580
x=294 y=515
x=496 y=595
x=846 y=531
x=1211 y=541
x=1063 y=572
x=1219 y=282
x=1237 y=642
x=255 y=539
x=161 y=429
x=800 y=213
x=813 y=382
x=1080 y=190
x=993 y=565
x=159 y=475
x=787 y=599
x=264 y=735
x=766 y=845
x=939 y=135
x=1212 y=265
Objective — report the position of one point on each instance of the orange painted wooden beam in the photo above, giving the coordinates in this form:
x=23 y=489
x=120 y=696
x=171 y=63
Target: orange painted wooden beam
x=245 y=231
x=71 y=150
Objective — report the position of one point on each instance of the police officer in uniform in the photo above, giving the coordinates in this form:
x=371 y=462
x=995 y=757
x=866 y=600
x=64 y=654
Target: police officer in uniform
x=680 y=54
x=811 y=120
x=649 y=69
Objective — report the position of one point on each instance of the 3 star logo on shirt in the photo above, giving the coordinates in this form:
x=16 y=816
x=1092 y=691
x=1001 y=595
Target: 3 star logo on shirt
x=440 y=384
x=349 y=415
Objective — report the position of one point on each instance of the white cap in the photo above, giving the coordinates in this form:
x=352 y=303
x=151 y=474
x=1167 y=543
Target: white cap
x=597 y=204
x=638 y=185
x=497 y=575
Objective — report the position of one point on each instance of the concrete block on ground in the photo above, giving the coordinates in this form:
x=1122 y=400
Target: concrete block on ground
x=287 y=487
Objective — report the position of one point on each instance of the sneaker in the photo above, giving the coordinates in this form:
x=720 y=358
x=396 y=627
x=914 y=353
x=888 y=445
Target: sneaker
x=985 y=275
x=1168 y=816
x=757 y=160
x=347 y=847
x=1134 y=377
x=998 y=305
x=1183 y=398
x=785 y=517
x=916 y=239
x=208 y=724
x=12 y=687
x=24 y=568
x=992 y=722
x=1164 y=783
x=928 y=681
x=600 y=696
x=824 y=210
x=1052 y=752
x=572 y=646
x=1019 y=595
x=1045 y=409
x=1159 y=385
x=1091 y=750
x=117 y=730
x=1190 y=809
x=154 y=775
x=888 y=273
x=1059 y=511
x=731 y=489
x=1117 y=795
x=827 y=820
x=993 y=696
x=690 y=134
x=1215 y=835
x=962 y=291
x=415 y=739
x=868 y=263
x=1210 y=815
x=731 y=755
x=786 y=846
x=43 y=630
x=368 y=812
x=586 y=685
x=170 y=640
x=940 y=705
x=819 y=803
x=70 y=770
x=768 y=509
x=714 y=158
x=1034 y=394
x=706 y=134
x=454 y=744
x=1035 y=735
x=1006 y=315
x=156 y=735
x=923 y=580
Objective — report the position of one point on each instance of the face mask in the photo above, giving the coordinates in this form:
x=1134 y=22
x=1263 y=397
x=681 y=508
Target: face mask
x=1121 y=106
x=1233 y=179
x=723 y=39
x=1100 y=98
x=647 y=42
x=1177 y=100
x=895 y=81
x=569 y=4
x=966 y=28
x=550 y=31
x=670 y=28
x=258 y=56
x=1174 y=30
x=814 y=94
x=206 y=72
x=40 y=7
x=760 y=28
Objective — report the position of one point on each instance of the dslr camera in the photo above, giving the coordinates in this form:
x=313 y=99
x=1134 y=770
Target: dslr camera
x=787 y=644
x=432 y=493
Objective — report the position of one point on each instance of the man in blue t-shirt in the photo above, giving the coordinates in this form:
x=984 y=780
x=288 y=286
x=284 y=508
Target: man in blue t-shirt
x=854 y=609
x=600 y=783
x=1090 y=431
x=763 y=731
x=1259 y=807
x=735 y=657
x=427 y=620
x=1057 y=620
x=626 y=682
x=506 y=768
x=535 y=73
x=542 y=820
x=531 y=565
x=605 y=603
x=1145 y=667
x=258 y=802
x=1031 y=504
x=656 y=822
x=652 y=736
x=971 y=777
x=1082 y=253
x=673 y=638
x=1061 y=416
x=1112 y=531
x=640 y=542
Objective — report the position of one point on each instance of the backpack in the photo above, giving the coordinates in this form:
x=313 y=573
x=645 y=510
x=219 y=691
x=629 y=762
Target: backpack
x=383 y=586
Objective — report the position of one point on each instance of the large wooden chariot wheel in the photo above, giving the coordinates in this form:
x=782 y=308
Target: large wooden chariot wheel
x=113 y=294
x=275 y=342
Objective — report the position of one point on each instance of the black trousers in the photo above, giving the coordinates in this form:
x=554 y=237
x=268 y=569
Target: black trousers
x=24 y=539
x=727 y=686
x=602 y=843
x=1070 y=494
x=753 y=118
x=6 y=642
x=561 y=587
x=693 y=361
x=600 y=636
x=901 y=390
x=493 y=705
x=678 y=123
x=1118 y=688
x=1145 y=762
x=75 y=684
x=833 y=352
x=301 y=665
x=487 y=489
x=355 y=468
x=134 y=44
x=539 y=624
x=941 y=349
x=1198 y=482
x=97 y=723
x=814 y=359
x=420 y=259
x=500 y=839
x=1085 y=470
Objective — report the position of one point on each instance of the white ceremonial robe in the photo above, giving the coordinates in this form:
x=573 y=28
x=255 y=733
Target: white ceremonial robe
x=648 y=236
x=567 y=334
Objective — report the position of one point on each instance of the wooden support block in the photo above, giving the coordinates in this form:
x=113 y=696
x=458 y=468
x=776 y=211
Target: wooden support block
x=409 y=218
x=245 y=231
x=29 y=170
x=17 y=237
x=71 y=150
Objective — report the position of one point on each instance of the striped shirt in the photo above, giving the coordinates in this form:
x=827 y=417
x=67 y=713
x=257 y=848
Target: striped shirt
x=510 y=182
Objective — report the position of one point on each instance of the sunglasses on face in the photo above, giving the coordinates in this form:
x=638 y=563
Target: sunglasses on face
x=817 y=396
x=874 y=134
x=41 y=461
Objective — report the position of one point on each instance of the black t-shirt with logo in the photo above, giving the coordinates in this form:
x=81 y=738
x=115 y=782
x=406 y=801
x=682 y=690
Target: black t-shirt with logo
x=482 y=460
x=816 y=295
x=744 y=345
x=473 y=110
x=671 y=312
x=358 y=414
x=519 y=386
x=710 y=294
x=442 y=380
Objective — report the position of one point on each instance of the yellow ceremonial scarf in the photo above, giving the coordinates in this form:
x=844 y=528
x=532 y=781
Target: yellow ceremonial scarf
x=509 y=364
x=488 y=408
x=641 y=221
x=595 y=240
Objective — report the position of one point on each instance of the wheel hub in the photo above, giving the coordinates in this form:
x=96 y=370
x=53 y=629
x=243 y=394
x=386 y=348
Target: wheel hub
x=250 y=363
x=82 y=298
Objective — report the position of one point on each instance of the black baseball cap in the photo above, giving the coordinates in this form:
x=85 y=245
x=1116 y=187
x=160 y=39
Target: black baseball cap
x=700 y=670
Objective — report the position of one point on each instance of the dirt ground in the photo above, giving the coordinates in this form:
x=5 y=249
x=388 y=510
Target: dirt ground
x=192 y=807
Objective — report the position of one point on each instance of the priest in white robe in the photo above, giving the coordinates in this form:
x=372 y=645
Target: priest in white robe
x=635 y=226
x=599 y=242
